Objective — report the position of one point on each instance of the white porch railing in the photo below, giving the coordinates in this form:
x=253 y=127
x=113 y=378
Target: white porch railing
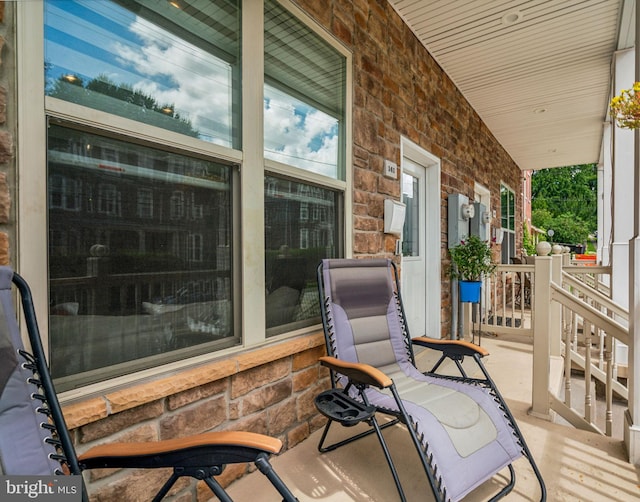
x=508 y=300
x=577 y=324
x=575 y=327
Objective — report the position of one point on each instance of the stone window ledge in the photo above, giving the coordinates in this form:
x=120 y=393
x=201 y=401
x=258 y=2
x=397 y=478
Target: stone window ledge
x=93 y=409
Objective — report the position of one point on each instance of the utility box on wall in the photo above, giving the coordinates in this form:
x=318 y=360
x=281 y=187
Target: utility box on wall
x=459 y=214
x=478 y=224
x=394 y=214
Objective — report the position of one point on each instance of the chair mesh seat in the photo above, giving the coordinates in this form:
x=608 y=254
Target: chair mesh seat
x=460 y=426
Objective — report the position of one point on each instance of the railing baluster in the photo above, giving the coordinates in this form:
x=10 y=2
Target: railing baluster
x=504 y=294
x=586 y=331
x=609 y=386
x=494 y=300
x=567 y=365
x=601 y=340
x=603 y=325
x=513 y=294
x=574 y=331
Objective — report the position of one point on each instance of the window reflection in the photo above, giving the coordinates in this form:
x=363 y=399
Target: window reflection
x=304 y=96
x=295 y=244
x=149 y=271
x=299 y=135
x=148 y=61
x=411 y=230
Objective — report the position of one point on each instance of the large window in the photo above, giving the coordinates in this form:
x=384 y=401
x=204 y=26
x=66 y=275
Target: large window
x=129 y=283
x=147 y=170
x=508 y=219
x=140 y=235
x=304 y=129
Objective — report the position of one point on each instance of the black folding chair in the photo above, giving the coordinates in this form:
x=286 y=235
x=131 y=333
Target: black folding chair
x=34 y=439
x=460 y=425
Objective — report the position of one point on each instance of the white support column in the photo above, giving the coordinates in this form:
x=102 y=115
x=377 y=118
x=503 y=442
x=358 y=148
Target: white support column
x=622 y=173
x=632 y=416
x=540 y=402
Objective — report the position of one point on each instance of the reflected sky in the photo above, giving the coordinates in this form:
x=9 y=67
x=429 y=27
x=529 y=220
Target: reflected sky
x=91 y=39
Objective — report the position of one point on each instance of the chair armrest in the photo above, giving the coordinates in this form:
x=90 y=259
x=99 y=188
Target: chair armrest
x=451 y=347
x=358 y=372
x=154 y=454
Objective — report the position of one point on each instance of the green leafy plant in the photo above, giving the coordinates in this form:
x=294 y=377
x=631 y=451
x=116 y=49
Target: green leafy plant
x=527 y=240
x=471 y=259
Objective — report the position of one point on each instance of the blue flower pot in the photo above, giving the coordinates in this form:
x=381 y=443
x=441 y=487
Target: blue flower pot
x=470 y=291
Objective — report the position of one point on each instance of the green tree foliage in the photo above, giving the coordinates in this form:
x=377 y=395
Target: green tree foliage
x=101 y=93
x=527 y=240
x=472 y=259
x=569 y=229
x=565 y=199
x=542 y=218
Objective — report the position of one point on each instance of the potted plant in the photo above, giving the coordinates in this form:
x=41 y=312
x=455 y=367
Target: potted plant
x=625 y=107
x=471 y=260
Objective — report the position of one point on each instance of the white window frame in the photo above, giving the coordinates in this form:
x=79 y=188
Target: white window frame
x=304 y=211
x=176 y=205
x=145 y=203
x=507 y=231
x=32 y=111
x=194 y=247
x=68 y=187
x=304 y=238
x=109 y=200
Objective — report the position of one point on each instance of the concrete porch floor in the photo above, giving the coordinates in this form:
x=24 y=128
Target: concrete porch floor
x=576 y=465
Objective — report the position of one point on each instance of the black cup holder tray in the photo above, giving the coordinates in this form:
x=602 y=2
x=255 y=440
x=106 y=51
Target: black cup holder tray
x=336 y=405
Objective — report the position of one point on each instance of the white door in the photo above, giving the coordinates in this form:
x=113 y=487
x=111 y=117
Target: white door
x=421 y=241
x=413 y=242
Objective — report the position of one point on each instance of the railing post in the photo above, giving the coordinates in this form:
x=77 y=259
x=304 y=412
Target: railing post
x=540 y=403
x=555 y=309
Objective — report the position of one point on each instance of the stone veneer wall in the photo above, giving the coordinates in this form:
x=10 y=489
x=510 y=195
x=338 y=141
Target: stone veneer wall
x=6 y=144
x=399 y=90
x=269 y=391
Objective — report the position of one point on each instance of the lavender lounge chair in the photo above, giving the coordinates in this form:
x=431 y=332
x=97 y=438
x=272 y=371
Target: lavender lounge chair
x=462 y=429
x=34 y=439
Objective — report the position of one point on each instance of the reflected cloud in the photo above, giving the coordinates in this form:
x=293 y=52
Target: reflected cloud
x=195 y=82
x=298 y=135
x=123 y=51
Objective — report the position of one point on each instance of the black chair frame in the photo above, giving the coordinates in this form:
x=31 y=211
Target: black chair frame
x=360 y=378
x=201 y=457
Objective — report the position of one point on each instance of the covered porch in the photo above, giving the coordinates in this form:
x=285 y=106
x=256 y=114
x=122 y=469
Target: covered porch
x=540 y=75
x=524 y=89
x=537 y=76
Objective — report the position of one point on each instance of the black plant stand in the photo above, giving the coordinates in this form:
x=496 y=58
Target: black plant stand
x=476 y=308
